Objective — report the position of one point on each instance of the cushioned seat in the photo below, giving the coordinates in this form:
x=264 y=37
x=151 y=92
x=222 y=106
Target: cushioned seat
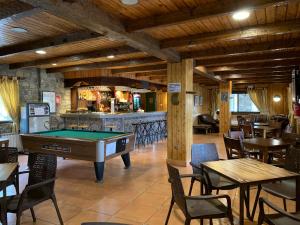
x=201 y=208
x=278 y=219
x=284 y=189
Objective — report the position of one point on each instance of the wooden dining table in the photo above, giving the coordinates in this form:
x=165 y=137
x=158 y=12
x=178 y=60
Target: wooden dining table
x=249 y=172
x=265 y=145
x=265 y=129
x=7 y=170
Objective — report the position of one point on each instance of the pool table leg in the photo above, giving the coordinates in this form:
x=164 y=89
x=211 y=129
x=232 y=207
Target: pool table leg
x=99 y=170
x=126 y=160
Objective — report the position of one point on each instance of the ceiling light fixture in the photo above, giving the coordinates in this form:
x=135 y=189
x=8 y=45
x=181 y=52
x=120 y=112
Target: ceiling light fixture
x=40 y=52
x=130 y=2
x=19 y=30
x=110 y=56
x=241 y=15
x=54 y=64
x=276 y=98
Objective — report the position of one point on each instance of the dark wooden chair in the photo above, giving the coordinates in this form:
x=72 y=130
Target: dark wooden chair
x=248 y=130
x=196 y=207
x=212 y=181
x=281 y=217
x=236 y=134
x=40 y=187
x=10 y=155
x=286 y=189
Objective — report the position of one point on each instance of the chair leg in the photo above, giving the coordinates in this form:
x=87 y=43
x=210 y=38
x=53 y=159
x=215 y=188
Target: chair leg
x=217 y=191
x=33 y=215
x=210 y=222
x=201 y=222
x=284 y=204
x=256 y=201
x=18 y=218
x=191 y=186
x=230 y=216
x=187 y=221
x=260 y=218
x=169 y=212
x=53 y=198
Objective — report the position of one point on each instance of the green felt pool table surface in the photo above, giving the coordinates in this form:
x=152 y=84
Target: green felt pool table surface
x=80 y=134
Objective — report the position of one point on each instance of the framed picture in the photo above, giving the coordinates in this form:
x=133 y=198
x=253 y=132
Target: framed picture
x=50 y=98
x=198 y=100
x=224 y=96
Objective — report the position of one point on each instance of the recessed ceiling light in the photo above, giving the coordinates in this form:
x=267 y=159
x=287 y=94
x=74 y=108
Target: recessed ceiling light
x=130 y=2
x=54 y=64
x=241 y=15
x=110 y=56
x=40 y=52
x=18 y=30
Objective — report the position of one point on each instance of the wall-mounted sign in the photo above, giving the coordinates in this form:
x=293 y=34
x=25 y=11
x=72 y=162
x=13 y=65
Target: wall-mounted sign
x=174 y=87
x=224 y=96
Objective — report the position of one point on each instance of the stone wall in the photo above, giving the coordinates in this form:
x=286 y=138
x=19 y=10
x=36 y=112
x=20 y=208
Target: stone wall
x=30 y=90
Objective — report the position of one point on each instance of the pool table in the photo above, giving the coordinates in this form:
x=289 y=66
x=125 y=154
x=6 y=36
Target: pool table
x=83 y=145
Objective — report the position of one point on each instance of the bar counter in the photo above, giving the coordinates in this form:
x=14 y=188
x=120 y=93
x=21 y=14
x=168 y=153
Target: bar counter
x=102 y=121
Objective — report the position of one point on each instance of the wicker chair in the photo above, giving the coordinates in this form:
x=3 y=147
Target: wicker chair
x=285 y=189
x=281 y=217
x=10 y=155
x=196 y=207
x=212 y=181
x=40 y=187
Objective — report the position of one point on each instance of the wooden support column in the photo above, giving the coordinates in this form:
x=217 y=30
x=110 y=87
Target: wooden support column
x=225 y=114
x=180 y=121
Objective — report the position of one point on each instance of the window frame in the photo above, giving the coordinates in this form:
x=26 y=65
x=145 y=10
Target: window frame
x=238 y=99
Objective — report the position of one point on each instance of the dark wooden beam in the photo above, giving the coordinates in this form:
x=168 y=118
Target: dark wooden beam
x=12 y=8
x=245 y=59
x=235 y=50
x=276 y=65
x=242 y=76
x=151 y=73
x=235 y=34
x=205 y=11
x=90 y=16
x=48 y=42
x=77 y=57
x=110 y=64
x=140 y=69
x=201 y=71
x=253 y=71
x=266 y=81
x=112 y=81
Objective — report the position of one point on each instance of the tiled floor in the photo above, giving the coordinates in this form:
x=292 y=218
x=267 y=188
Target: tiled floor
x=139 y=195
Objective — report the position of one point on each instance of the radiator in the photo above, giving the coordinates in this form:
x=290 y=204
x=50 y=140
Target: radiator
x=14 y=141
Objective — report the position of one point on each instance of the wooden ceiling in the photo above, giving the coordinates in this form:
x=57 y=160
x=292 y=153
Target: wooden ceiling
x=78 y=35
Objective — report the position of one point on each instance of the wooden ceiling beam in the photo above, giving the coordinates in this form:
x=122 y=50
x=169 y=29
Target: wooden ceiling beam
x=49 y=42
x=239 y=77
x=77 y=57
x=151 y=73
x=90 y=16
x=234 y=60
x=276 y=65
x=11 y=9
x=234 y=34
x=140 y=69
x=205 y=11
x=266 y=81
x=251 y=71
x=204 y=73
x=108 y=65
x=265 y=47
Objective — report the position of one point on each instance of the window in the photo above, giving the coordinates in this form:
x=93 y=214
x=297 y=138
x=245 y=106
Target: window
x=4 y=116
x=242 y=103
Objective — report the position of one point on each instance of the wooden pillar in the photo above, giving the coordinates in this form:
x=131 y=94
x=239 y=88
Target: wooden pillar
x=225 y=114
x=74 y=98
x=180 y=121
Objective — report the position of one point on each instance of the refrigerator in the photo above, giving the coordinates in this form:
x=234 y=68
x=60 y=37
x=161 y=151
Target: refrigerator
x=35 y=117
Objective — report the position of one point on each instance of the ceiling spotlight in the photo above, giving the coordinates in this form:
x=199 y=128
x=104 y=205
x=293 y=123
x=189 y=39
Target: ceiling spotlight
x=54 y=64
x=40 y=52
x=110 y=56
x=130 y=2
x=241 y=15
x=18 y=30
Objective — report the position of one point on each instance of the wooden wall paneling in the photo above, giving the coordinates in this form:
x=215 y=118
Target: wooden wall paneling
x=278 y=107
x=162 y=99
x=180 y=116
x=225 y=114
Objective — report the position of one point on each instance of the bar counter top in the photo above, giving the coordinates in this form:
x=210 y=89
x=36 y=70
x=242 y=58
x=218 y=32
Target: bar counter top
x=101 y=121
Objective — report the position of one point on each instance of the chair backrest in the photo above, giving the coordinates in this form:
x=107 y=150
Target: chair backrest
x=8 y=155
x=236 y=134
x=234 y=147
x=247 y=129
x=291 y=138
x=241 y=120
x=177 y=188
x=42 y=167
x=203 y=153
x=292 y=159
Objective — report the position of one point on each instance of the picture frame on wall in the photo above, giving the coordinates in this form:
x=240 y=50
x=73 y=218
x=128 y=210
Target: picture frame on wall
x=198 y=100
x=50 y=98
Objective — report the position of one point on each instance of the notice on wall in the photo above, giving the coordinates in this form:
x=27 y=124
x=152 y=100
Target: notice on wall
x=174 y=87
x=49 y=97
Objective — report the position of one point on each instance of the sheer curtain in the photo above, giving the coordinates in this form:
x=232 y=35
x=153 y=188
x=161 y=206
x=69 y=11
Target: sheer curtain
x=215 y=102
x=9 y=92
x=259 y=97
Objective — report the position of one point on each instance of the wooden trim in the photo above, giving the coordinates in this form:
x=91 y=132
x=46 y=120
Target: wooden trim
x=87 y=14
x=205 y=11
x=234 y=34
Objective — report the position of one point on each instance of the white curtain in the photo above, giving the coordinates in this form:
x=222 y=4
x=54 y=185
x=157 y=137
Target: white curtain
x=259 y=97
